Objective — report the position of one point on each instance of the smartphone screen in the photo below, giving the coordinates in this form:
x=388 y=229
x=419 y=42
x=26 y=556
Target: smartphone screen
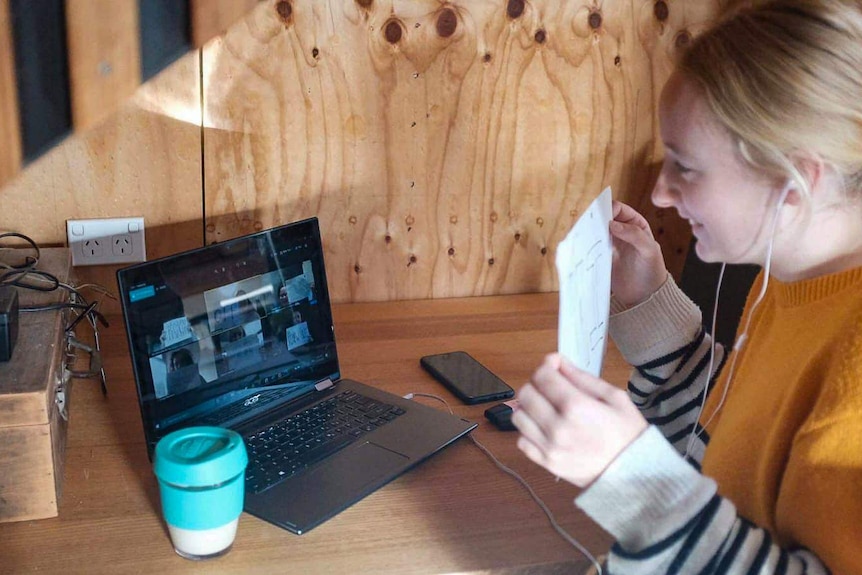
x=471 y=381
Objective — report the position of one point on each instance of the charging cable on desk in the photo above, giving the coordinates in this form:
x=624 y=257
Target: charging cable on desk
x=26 y=276
x=500 y=465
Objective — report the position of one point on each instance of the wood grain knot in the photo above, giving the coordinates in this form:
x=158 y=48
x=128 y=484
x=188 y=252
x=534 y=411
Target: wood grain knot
x=660 y=10
x=365 y=3
x=392 y=31
x=515 y=8
x=451 y=252
x=285 y=10
x=617 y=61
x=388 y=239
x=447 y=22
x=541 y=36
x=683 y=39
x=491 y=261
x=544 y=250
x=487 y=57
x=493 y=216
x=315 y=53
x=517 y=236
x=409 y=220
x=595 y=20
x=412 y=259
x=357 y=269
x=352 y=219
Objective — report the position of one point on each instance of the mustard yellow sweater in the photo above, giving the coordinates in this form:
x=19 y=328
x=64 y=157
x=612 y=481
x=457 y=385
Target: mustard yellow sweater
x=774 y=482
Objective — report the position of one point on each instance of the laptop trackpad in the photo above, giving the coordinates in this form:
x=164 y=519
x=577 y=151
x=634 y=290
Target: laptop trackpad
x=358 y=467
x=331 y=487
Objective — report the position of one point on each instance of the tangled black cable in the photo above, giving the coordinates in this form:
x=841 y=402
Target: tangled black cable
x=26 y=276
x=21 y=275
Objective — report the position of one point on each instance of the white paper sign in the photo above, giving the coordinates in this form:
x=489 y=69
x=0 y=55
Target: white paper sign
x=584 y=269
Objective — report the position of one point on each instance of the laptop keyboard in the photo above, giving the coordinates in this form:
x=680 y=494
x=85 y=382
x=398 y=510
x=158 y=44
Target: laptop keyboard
x=301 y=440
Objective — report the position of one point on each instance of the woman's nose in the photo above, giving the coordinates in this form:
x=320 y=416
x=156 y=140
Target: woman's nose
x=662 y=196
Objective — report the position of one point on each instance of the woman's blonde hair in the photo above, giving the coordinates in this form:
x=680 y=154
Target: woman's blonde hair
x=785 y=77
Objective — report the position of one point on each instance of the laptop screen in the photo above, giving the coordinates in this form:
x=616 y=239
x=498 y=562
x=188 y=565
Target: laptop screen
x=215 y=331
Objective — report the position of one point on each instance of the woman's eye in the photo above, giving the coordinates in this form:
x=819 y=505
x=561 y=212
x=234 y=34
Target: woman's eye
x=681 y=169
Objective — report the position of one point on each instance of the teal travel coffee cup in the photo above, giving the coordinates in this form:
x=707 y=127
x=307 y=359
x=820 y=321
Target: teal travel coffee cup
x=201 y=474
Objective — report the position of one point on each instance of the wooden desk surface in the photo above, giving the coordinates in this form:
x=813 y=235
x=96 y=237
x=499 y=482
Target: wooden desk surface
x=454 y=513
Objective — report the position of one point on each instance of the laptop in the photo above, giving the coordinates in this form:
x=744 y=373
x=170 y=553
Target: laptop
x=239 y=334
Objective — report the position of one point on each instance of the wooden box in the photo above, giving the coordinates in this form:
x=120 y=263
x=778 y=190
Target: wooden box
x=32 y=427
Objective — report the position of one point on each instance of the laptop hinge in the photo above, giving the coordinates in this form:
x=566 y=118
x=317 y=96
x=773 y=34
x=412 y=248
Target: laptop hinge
x=323 y=384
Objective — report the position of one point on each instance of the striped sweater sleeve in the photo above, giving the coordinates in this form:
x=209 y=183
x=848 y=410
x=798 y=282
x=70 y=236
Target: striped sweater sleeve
x=665 y=515
x=663 y=338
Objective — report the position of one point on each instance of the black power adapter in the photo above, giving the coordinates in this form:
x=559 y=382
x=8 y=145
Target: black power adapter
x=8 y=321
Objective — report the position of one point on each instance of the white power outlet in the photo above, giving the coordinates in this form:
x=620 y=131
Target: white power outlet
x=106 y=241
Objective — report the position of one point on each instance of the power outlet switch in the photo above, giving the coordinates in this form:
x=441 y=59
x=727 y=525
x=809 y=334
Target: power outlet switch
x=106 y=241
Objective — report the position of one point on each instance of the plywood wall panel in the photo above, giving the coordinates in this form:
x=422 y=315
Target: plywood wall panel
x=103 y=46
x=10 y=127
x=145 y=161
x=446 y=147
x=210 y=18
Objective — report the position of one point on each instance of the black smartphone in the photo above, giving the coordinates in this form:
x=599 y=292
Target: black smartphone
x=468 y=379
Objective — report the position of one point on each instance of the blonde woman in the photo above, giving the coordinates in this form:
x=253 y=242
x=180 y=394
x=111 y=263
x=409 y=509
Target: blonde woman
x=746 y=460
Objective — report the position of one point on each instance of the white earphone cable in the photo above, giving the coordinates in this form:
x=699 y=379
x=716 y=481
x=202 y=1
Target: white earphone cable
x=740 y=342
x=709 y=371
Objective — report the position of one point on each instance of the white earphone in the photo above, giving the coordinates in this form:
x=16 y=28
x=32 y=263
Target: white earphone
x=743 y=337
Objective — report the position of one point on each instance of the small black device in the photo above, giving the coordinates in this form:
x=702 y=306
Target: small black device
x=501 y=415
x=468 y=379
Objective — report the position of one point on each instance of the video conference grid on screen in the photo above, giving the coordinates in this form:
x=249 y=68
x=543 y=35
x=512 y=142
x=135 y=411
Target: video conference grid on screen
x=244 y=324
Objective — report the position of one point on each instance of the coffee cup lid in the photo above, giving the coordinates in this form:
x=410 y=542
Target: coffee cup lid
x=200 y=456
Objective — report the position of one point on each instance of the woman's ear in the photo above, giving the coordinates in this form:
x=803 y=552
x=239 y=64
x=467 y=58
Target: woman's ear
x=785 y=196
x=811 y=168
x=791 y=194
